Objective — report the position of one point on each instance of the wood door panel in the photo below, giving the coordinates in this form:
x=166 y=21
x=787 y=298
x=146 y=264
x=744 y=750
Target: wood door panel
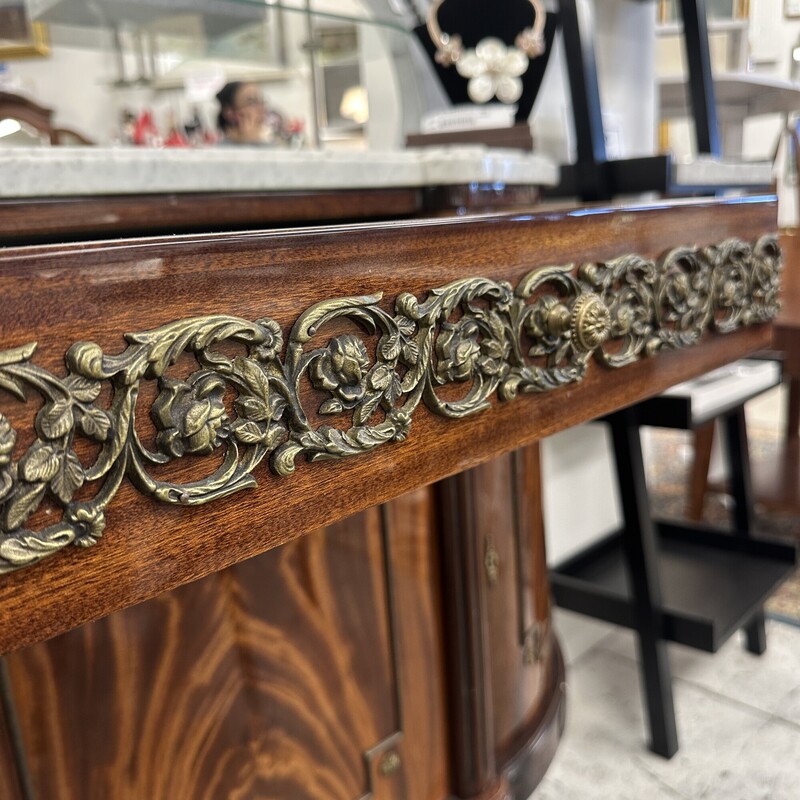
x=273 y=679
x=313 y=625
x=9 y=781
x=518 y=672
x=121 y=708
x=419 y=637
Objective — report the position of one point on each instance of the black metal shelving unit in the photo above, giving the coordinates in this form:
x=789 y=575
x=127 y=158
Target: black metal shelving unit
x=670 y=581
x=593 y=176
x=711 y=582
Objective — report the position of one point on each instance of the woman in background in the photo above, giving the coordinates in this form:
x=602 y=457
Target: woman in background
x=242 y=113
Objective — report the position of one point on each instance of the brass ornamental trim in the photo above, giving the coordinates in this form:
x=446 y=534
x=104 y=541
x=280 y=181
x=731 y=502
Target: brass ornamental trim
x=483 y=334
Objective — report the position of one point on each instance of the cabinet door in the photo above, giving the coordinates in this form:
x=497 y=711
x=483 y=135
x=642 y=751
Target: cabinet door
x=502 y=654
x=312 y=672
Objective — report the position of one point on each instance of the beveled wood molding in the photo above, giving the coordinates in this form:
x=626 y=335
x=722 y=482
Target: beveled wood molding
x=489 y=337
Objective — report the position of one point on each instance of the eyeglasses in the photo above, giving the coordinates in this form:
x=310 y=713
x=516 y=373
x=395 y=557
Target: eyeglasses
x=250 y=102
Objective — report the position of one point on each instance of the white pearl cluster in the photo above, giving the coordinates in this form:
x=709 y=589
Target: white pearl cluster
x=493 y=70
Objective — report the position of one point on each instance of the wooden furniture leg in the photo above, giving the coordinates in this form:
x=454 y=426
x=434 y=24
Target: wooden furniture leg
x=698 y=483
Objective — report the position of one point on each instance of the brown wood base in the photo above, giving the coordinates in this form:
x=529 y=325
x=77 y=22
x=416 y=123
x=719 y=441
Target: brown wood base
x=525 y=770
x=353 y=631
x=522 y=771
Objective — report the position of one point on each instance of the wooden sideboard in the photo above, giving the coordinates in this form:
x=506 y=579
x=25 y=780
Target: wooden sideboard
x=304 y=483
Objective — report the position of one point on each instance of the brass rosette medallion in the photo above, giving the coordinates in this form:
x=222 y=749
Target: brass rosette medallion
x=484 y=337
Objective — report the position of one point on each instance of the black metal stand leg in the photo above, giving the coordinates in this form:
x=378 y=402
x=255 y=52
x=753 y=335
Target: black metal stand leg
x=701 y=81
x=742 y=492
x=640 y=546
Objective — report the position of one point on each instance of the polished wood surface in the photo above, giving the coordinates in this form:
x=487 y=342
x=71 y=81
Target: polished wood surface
x=787 y=328
x=43 y=220
x=394 y=643
x=24 y=109
x=59 y=219
x=296 y=675
x=499 y=642
x=11 y=779
x=319 y=670
x=58 y=294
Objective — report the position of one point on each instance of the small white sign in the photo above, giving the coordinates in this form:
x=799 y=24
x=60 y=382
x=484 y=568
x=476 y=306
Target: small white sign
x=468 y=118
x=203 y=85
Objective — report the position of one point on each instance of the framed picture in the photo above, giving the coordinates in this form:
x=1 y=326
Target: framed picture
x=791 y=9
x=19 y=36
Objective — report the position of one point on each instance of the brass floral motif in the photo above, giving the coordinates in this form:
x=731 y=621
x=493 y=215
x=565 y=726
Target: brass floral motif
x=477 y=334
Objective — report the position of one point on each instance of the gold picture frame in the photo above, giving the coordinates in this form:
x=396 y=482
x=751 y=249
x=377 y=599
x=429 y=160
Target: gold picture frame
x=36 y=46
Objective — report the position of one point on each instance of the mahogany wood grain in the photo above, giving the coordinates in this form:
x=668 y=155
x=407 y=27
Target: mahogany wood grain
x=60 y=219
x=495 y=515
x=10 y=784
x=787 y=330
x=97 y=291
x=470 y=708
x=516 y=678
x=504 y=706
x=288 y=676
x=418 y=642
x=526 y=759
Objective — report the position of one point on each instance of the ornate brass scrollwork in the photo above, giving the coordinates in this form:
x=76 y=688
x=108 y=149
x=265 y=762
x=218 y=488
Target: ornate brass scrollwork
x=477 y=332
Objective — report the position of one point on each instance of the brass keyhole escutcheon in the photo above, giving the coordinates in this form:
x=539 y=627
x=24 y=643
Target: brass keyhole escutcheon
x=491 y=562
x=390 y=763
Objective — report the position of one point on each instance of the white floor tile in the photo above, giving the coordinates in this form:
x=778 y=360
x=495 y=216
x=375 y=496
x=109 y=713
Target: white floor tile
x=768 y=768
x=737 y=718
x=578 y=633
x=769 y=682
x=598 y=756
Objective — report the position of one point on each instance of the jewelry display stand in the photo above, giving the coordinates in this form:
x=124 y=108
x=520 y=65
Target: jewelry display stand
x=472 y=22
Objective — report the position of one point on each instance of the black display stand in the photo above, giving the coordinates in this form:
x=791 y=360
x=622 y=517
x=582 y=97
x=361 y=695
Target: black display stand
x=474 y=20
x=592 y=176
x=674 y=582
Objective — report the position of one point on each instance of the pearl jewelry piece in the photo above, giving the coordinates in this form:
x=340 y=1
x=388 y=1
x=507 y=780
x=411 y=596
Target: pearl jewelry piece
x=493 y=69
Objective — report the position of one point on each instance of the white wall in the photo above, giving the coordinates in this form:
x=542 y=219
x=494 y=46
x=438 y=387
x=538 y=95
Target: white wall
x=770 y=33
x=624 y=36
x=74 y=83
x=771 y=38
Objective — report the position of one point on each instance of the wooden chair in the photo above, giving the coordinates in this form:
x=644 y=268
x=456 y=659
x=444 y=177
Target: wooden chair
x=776 y=481
x=40 y=118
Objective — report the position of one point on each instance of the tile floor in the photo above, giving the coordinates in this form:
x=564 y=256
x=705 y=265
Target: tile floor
x=738 y=719
x=738 y=715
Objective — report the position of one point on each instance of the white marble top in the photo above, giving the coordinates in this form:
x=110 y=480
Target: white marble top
x=706 y=171
x=737 y=94
x=69 y=171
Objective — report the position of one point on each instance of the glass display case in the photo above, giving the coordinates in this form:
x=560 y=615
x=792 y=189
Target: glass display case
x=342 y=72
